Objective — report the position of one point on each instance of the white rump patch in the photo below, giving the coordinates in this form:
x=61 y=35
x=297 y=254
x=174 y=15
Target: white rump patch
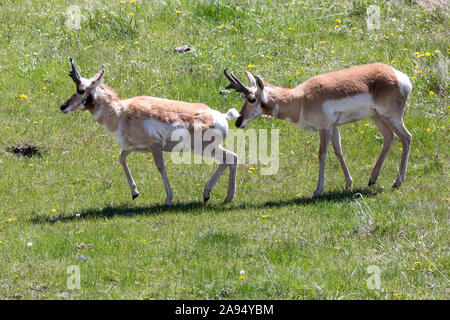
x=404 y=84
x=231 y=114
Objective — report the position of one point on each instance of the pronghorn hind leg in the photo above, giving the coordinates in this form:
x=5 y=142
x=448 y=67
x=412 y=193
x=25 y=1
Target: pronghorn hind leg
x=405 y=137
x=232 y=161
x=336 y=142
x=325 y=136
x=159 y=162
x=123 y=160
x=389 y=138
x=212 y=182
x=226 y=158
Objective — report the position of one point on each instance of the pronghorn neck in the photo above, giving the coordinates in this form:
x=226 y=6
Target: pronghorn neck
x=106 y=107
x=278 y=102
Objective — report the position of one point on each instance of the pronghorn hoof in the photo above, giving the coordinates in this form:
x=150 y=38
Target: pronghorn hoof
x=206 y=199
x=134 y=196
x=317 y=194
x=396 y=184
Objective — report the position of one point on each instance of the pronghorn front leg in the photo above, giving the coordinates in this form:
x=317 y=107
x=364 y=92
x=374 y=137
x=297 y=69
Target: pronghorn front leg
x=123 y=160
x=336 y=142
x=159 y=162
x=325 y=136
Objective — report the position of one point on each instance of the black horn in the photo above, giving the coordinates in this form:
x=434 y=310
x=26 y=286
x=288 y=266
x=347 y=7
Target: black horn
x=74 y=73
x=235 y=83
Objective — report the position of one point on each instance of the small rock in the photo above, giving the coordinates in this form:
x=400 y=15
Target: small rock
x=183 y=49
x=226 y=292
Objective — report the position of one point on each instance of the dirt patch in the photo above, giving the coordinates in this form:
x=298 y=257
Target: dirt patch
x=25 y=150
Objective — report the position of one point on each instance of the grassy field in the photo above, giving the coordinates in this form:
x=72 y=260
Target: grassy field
x=70 y=204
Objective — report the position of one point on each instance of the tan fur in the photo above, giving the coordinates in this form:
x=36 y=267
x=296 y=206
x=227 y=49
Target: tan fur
x=377 y=79
x=144 y=107
x=169 y=111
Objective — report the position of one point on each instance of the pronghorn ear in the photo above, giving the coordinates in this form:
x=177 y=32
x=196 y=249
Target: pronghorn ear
x=98 y=78
x=260 y=83
x=251 y=79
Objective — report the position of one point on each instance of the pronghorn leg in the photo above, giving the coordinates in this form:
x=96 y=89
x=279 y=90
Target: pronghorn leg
x=212 y=182
x=227 y=158
x=123 y=160
x=159 y=162
x=389 y=138
x=405 y=137
x=325 y=136
x=232 y=161
x=336 y=142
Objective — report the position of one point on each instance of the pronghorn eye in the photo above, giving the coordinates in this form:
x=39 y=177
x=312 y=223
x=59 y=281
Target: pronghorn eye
x=252 y=100
x=81 y=91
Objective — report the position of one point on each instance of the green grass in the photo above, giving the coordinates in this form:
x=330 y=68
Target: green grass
x=290 y=245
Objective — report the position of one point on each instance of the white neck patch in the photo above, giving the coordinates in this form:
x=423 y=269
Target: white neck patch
x=265 y=93
x=276 y=110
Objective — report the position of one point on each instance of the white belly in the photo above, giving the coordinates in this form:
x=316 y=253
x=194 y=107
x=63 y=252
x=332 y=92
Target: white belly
x=349 y=109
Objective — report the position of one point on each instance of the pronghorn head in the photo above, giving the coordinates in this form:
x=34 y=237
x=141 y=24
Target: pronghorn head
x=252 y=97
x=85 y=90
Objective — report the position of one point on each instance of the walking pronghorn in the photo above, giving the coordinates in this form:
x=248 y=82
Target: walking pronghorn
x=329 y=100
x=146 y=124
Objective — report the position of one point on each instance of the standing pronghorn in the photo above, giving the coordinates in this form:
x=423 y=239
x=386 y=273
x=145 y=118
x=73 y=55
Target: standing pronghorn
x=329 y=100
x=146 y=124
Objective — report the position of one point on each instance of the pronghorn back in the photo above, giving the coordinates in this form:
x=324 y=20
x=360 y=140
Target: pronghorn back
x=169 y=111
x=375 y=79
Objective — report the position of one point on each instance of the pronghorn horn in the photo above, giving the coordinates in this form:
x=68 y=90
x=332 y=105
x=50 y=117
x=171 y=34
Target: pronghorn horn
x=74 y=73
x=235 y=83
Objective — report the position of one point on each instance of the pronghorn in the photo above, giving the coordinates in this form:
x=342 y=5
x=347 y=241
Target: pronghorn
x=329 y=100
x=146 y=124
